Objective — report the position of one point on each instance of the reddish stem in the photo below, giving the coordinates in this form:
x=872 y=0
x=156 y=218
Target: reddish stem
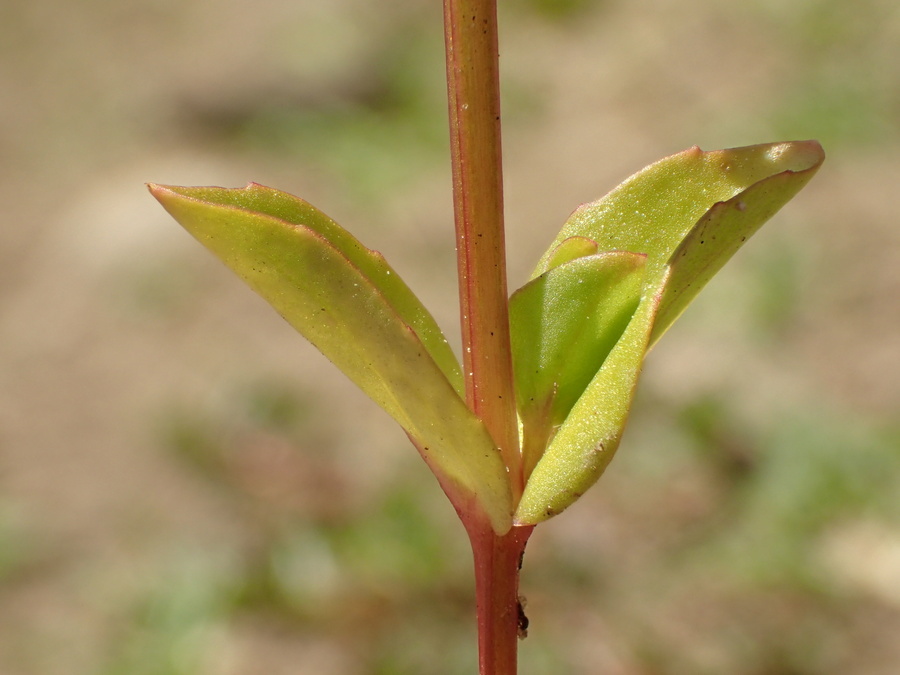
x=473 y=84
x=501 y=617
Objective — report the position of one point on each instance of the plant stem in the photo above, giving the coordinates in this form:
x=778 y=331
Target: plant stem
x=497 y=563
x=473 y=83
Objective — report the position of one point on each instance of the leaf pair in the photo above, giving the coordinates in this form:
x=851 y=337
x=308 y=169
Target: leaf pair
x=679 y=220
x=618 y=274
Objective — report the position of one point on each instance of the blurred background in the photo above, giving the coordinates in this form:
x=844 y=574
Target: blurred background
x=188 y=488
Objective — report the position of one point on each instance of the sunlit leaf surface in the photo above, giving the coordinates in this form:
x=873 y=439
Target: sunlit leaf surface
x=564 y=323
x=688 y=214
x=347 y=301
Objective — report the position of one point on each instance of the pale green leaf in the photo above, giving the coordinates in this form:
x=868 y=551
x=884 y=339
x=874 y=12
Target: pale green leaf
x=353 y=307
x=263 y=200
x=717 y=236
x=652 y=211
x=589 y=437
x=688 y=213
x=570 y=249
x=563 y=325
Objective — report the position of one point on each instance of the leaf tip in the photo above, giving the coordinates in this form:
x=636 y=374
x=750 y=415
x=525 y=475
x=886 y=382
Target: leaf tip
x=797 y=156
x=160 y=192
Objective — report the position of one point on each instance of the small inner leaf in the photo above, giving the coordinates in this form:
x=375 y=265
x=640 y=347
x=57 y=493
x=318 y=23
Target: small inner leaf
x=563 y=325
x=570 y=249
x=589 y=437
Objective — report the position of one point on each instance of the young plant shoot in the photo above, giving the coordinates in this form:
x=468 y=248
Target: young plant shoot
x=536 y=411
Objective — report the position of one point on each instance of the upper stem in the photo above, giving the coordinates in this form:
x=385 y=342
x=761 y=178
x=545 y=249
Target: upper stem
x=474 y=97
x=473 y=82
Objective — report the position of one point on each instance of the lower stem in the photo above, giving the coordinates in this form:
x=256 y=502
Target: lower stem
x=501 y=620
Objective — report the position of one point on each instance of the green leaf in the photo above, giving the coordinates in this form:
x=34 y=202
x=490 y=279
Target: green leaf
x=571 y=249
x=587 y=440
x=717 y=236
x=688 y=214
x=652 y=211
x=347 y=301
x=563 y=325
